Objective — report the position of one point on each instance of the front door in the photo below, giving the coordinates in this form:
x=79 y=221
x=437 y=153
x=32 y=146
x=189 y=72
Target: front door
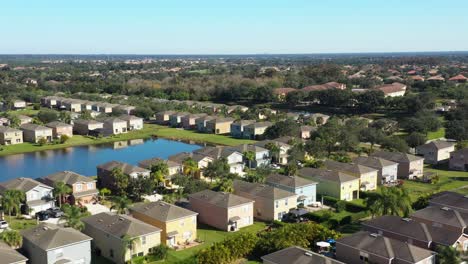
x=171 y=241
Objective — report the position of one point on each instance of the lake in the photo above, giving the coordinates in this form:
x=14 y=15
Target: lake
x=84 y=159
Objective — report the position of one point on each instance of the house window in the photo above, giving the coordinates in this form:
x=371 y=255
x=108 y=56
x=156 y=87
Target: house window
x=277 y=204
x=286 y=202
x=79 y=187
x=90 y=185
x=143 y=240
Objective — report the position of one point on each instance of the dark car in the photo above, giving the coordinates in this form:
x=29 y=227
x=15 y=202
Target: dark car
x=55 y=212
x=42 y=215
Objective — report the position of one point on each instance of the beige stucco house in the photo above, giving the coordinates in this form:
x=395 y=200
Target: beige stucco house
x=219 y=125
x=224 y=211
x=59 y=129
x=110 y=230
x=459 y=160
x=436 y=152
x=409 y=166
x=86 y=127
x=178 y=225
x=368 y=176
x=83 y=188
x=256 y=130
x=114 y=126
x=133 y=122
x=10 y=136
x=32 y=133
x=270 y=203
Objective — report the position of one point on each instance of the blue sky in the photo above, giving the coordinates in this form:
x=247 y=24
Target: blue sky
x=231 y=26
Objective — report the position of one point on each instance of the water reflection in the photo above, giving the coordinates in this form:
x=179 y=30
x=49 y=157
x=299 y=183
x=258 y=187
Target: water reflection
x=84 y=159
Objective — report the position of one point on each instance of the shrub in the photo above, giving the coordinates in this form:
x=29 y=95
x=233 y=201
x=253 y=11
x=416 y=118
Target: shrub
x=64 y=138
x=340 y=206
x=160 y=252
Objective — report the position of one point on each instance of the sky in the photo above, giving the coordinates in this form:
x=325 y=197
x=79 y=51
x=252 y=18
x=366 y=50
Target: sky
x=231 y=26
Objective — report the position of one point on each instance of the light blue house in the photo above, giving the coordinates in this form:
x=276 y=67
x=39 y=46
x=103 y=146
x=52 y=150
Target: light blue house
x=262 y=155
x=304 y=188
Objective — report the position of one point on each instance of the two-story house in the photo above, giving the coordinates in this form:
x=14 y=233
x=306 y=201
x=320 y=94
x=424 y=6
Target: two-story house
x=172 y=167
x=262 y=155
x=304 y=188
x=256 y=130
x=237 y=128
x=270 y=203
x=234 y=159
x=110 y=230
x=220 y=125
x=224 y=211
x=409 y=166
x=33 y=133
x=201 y=123
x=38 y=195
x=10 y=136
x=367 y=175
x=83 y=189
x=114 y=126
x=105 y=173
x=436 y=152
x=59 y=129
x=87 y=127
x=133 y=122
x=51 y=244
x=280 y=156
x=175 y=119
x=178 y=225
x=459 y=160
x=387 y=170
x=189 y=121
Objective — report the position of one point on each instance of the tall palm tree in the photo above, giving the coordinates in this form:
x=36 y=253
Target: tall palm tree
x=103 y=192
x=72 y=215
x=12 y=238
x=60 y=190
x=190 y=167
x=120 y=204
x=249 y=156
x=128 y=244
x=12 y=200
x=390 y=201
x=274 y=150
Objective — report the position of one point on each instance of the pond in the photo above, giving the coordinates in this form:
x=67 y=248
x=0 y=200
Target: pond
x=84 y=159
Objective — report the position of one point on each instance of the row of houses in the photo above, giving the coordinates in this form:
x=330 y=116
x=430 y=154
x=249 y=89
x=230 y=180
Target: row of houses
x=29 y=132
x=78 y=105
x=437 y=152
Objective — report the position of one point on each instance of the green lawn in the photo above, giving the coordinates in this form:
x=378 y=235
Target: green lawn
x=436 y=134
x=148 y=131
x=20 y=224
x=209 y=236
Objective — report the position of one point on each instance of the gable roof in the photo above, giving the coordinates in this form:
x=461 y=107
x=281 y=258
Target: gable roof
x=181 y=157
x=243 y=122
x=443 y=215
x=149 y=162
x=120 y=225
x=86 y=122
x=326 y=175
x=68 y=177
x=437 y=144
x=216 y=152
x=385 y=247
x=9 y=255
x=261 y=190
x=298 y=255
x=374 y=162
x=48 y=236
x=412 y=229
x=22 y=184
x=130 y=117
x=162 y=211
x=451 y=199
x=396 y=156
x=348 y=167
x=248 y=147
x=34 y=127
x=459 y=77
x=4 y=129
x=57 y=124
x=392 y=88
x=125 y=167
x=289 y=181
x=220 y=199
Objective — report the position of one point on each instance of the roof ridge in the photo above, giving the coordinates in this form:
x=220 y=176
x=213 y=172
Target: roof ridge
x=388 y=247
x=426 y=232
x=459 y=218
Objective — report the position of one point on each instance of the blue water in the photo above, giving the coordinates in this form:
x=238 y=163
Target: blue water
x=84 y=159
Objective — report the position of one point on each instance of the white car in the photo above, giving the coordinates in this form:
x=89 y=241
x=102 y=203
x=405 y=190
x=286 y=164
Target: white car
x=275 y=166
x=3 y=224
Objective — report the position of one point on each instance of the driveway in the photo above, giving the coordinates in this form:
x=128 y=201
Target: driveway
x=96 y=208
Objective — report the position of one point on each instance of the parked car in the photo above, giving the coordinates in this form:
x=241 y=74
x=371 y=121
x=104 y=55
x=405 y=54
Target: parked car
x=275 y=166
x=55 y=212
x=3 y=224
x=42 y=215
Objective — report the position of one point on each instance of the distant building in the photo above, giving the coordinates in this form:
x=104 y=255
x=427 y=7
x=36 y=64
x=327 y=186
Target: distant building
x=395 y=89
x=237 y=128
x=219 y=125
x=162 y=118
x=256 y=130
x=436 y=152
x=133 y=122
x=459 y=160
x=114 y=126
x=87 y=127
x=366 y=175
x=59 y=129
x=409 y=166
x=106 y=179
x=83 y=188
x=33 y=133
x=325 y=86
x=10 y=136
x=387 y=170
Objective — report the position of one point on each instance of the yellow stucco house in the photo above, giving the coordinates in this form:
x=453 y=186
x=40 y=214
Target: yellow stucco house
x=178 y=225
x=367 y=176
x=333 y=183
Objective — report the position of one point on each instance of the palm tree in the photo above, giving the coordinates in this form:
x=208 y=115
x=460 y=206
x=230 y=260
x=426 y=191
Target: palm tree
x=104 y=192
x=447 y=255
x=390 y=201
x=12 y=238
x=274 y=150
x=11 y=201
x=226 y=186
x=120 y=204
x=128 y=245
x=72 y=215
x=190 y=167
x=249 y=156
x=60 y=190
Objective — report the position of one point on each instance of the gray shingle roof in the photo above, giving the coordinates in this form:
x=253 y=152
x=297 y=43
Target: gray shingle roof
x=119 y=225
x=22 y=184
x=125 y=167
x=289 y=181
x=129 y=117
x=220 y=199
x=9 y=255
x=33 y=127
x=162 y=211
x=149 y=162
x=57 y=124
x=248 y=147
x=385 y=247
x=396 y=156
x=327 y=175
x=4 y=129
x=48 y=236
x=373 y=162
x=348 y=167
x=438 y=144
x=443 y=215
x=297 y=255
x=181 y=157
x=215 y=152
x=68 y=177
x=261 y=190
x=450 y=199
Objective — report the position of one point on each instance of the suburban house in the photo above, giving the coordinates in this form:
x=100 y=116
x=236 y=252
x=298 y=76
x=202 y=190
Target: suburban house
x=49 y=101
x=333 y=183
x=59 y=129
x=270 y=203
x=178 y=225
x=175 y=119
x=24 y=119
x=102 y=107
x=114 y=126
x=106 y=179
x=237 y=128
x=234 y=159
x=459 y=160
x=443 y=217
x=19 y=104
x=4 y=121
x=416 y=233
x=387 y=170
x=51 y=244
x=367 y=175
x=262 y=155
x=201 y=160
x=10 y=255
x=365 y=247
x=83 y=188
x=281 y=93
x=10 y=136
x=127 y=109
x=86 y=127
x=281 y=156
x=173 y=167
x=189 y=121
x=32 y=133
x=38 y=195
x=71 y=105
x=455 y=201
x=220 y=125
x=202 y=121
x=325 y=86
x=256 y=130
x=436 y=152
x=304 y=188
x=409 y=166
x=306 y=131
x=162 y=118
x=224 y=211
x=109 y=230
x=297 y=255
x=133 y=122
x=392 y=90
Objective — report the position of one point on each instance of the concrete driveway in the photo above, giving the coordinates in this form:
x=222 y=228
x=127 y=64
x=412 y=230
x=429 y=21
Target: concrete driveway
x=96 y=208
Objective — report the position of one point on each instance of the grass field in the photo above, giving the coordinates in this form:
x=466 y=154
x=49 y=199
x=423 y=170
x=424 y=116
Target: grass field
x=148 y=131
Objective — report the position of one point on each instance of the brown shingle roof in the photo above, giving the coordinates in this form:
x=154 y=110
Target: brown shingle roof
x=162 y=211
x=327 y=175
x=297 y=255
x=125 y=167
x=22 y=184
x=68 y=177
x=220 y=199
x=289 y=181
x=261 y=190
